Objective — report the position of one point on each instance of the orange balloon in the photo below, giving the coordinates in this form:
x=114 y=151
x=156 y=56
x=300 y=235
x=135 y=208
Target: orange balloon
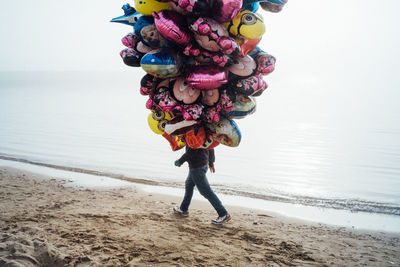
x=174 y=142
x=195 y=138
x=248 y=45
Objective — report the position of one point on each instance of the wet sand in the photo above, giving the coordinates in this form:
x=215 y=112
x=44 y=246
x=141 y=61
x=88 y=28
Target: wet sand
x=46 y=222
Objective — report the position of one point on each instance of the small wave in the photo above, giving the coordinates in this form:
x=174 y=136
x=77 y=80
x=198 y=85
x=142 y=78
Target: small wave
x=86 y=171
x=353 y=205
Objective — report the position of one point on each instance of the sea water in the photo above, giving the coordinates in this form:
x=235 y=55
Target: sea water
x=310 y=142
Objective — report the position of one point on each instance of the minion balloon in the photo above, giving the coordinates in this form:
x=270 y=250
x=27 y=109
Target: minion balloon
x=146 y=7
x=157 y=121
x=246 y=25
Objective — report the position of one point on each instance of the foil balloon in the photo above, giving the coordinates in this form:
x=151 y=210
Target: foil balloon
x=207 y=77
x=226 y=99
x=179 y=126
x=247 y=45
x=130 y=17
x=135 y=51
x=225 y=104
x=196 y=7
x=196 y=137
x=203 y=65
x=273 y=5
x=132 y=41
x=211 y=114
x=210 y=143
x=265 y=62
x=175 y=6
x=184 y=93
x=244 y=106
x=153 y=124
x=175 y=142
x=191 y=112
x=204 y=57
x=275 y=2
x=146 y=7
x=247 y=25
x=226 y=132
x=157 y=121
x=220 y=10
x=172 y=26
x=131 y=57
x=252 y=86
x=226 y=10
x=243 y=67
x=161 y=63
x=212 y=36
x=148 y=84
x=146 y=31
x=210 y=97
x=253 y=7
x=162 y=98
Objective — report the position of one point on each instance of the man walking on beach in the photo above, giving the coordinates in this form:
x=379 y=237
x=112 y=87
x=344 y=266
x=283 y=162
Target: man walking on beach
x=199 y=160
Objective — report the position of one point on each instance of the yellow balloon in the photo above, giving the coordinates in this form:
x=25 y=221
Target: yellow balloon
x=167 y=116
x=180 y=141
x=153 y=124
x=146 y=7
x=157 y=121
x=246 y=24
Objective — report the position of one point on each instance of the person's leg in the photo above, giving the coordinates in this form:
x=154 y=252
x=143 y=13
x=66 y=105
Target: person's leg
x=189 y=186
x=200 y=179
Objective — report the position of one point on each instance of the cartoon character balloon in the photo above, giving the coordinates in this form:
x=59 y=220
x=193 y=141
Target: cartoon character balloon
x=247 y=25
x=204 y=68
x=146 y=7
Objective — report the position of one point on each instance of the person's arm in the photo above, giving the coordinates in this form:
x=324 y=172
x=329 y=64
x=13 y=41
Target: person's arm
x=211 y=160
x=182 y=159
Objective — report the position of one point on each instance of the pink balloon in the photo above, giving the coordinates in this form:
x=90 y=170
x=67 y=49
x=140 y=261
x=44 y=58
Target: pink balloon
x=207 y=77
x=172 y=26
x=269 y=6
x=202 y=56
x=226 y=10
x=213 y=36
x=265 y=63
x=184 y=92
x=210 y=97
x=243 y=67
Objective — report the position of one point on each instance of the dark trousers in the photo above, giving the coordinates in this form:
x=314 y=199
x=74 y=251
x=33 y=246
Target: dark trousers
x=197 y=177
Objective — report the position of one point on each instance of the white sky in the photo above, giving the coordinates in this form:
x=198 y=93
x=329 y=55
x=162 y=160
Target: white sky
x=358 y=36
x=346 y=51
x=343 y=52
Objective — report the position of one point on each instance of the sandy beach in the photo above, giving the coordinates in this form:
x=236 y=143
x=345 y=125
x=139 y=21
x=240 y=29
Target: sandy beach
x=46 y=222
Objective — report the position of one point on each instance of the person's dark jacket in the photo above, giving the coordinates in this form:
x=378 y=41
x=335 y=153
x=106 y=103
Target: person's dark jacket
x=197 y=158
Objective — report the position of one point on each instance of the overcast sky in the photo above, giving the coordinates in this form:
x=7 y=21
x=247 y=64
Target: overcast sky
x=307 y=34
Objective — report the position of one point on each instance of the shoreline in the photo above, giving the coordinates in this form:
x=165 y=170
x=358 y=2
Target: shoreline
x=51 y=221
x=335 y=217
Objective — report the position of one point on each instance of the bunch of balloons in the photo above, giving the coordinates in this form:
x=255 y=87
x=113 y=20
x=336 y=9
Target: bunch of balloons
x=203 y=65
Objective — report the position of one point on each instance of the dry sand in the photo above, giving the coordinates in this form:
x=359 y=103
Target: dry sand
x=44 y=222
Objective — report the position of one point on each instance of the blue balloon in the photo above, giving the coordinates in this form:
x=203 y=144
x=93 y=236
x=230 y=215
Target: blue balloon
x=243 y=107
x=130 y=17
x=161 y=63
x=253 y=7
x=279 y=2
